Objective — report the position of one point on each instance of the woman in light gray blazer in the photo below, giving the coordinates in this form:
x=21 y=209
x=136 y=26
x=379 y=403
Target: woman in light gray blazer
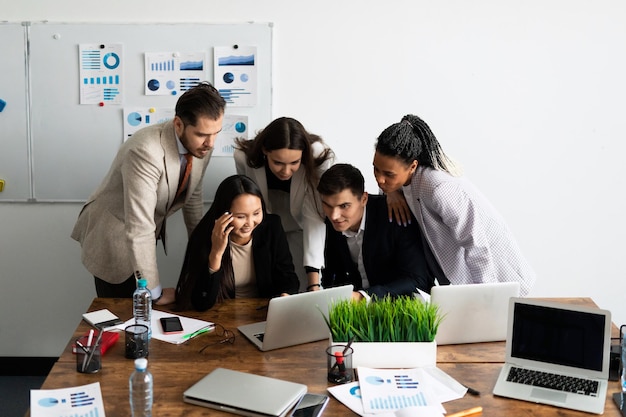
x=467 y=240
x=286 y=162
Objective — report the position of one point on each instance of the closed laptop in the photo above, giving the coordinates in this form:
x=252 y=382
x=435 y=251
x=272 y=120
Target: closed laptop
x=245 y=394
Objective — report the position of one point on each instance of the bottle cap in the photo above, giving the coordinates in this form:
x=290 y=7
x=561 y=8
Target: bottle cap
x=142 y=283
x=141 y=364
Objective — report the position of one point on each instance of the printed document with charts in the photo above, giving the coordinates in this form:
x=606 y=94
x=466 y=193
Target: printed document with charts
x=83 y=400
x=416 y=392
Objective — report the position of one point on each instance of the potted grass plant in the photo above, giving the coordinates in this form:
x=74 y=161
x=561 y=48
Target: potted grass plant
x=388 y=332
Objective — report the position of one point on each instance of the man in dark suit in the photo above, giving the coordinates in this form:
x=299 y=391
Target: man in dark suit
x=155 y=173
x=363 y=247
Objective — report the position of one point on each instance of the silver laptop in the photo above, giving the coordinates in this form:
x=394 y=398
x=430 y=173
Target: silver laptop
x=295 y=319
x=245 y=394
x=550 y=341
x=468 y=308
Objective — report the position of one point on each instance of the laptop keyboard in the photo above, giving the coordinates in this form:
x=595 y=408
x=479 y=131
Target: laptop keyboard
x=553 y=381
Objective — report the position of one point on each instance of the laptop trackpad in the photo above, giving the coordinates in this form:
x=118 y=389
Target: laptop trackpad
x=544 y=394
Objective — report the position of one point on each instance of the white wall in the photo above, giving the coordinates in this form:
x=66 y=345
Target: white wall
x=528 y=96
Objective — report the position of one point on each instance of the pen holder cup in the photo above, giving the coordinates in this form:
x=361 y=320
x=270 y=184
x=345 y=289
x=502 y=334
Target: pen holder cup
x=88 y=355
x=136 y=341
x=339 y=364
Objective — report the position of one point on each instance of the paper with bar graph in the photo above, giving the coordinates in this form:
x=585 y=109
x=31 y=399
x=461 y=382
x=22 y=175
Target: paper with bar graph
x=233 y=126
x=101 y=73
x=80 y=401
x=384 y=390
x=173 y=73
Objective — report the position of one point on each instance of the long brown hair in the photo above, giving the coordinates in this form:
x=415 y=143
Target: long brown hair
x=285 y=133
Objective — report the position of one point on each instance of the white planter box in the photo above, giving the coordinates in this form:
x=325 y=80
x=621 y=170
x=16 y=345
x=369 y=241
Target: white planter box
x=393 y=354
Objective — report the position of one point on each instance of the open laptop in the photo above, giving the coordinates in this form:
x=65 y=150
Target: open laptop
x=295 y=319
x=567 y=340
x=473 y=312
x=245 y=394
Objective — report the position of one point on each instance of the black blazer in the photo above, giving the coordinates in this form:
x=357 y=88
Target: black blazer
x=273 y=264
x=393 y=255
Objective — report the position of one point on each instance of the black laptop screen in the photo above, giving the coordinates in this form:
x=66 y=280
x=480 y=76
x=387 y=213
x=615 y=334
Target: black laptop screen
x=558 y=336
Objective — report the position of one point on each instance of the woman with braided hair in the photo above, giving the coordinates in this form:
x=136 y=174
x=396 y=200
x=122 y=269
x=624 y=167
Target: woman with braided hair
x=466 y=240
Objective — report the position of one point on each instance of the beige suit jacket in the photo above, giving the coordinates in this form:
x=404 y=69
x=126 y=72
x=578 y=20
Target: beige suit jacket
x=120 y=223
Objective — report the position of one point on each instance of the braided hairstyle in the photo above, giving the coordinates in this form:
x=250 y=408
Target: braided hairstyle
x=412 y=140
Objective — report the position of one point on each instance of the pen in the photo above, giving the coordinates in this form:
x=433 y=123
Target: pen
x=197 y=332
x=345 y=350
x=93 y=350
x=82 y=347
x=468 y=412
x=89 y=340
x=472 y=391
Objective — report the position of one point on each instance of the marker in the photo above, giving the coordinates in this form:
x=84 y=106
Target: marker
x=468 y=412
x=197 y=332
x=93 y=350
x=86 y=358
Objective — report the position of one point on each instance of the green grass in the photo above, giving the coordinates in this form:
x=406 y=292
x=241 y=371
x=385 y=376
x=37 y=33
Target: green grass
x=402 y=319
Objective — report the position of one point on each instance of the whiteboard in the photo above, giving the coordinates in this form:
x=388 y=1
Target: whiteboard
x=74 y=144
x=14 y=145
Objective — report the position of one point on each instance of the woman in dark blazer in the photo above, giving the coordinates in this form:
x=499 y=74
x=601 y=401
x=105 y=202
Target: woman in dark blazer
x=237 y=250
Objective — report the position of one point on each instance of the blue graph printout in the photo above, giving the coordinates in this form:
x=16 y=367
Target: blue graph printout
x=101 y=69
x=173 y=73
x=233 y=126
x=235 y=74
x=385 y=390
x=81 y=401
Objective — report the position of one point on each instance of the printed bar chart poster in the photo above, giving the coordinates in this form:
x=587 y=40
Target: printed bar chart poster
x=100 y=73
x=172 y=73
x=81 y=401
x=136 y=118
x=233 y=127
x=236 y=74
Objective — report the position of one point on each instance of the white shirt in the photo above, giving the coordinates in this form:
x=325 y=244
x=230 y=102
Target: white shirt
x=355 y=245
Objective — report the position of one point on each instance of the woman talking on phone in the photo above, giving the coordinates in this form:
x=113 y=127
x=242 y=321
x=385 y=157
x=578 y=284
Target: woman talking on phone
x=237 y=250
x=466 y=240
x=287 y=162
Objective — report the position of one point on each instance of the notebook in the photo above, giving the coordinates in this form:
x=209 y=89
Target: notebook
x=468 y=308
x=102 y=319
x=245 y=394
x=295 y=319
x=562 y=339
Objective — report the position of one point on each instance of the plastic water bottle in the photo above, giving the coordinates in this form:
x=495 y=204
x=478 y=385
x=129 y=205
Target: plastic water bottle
x=140 y=385
x=142 y=305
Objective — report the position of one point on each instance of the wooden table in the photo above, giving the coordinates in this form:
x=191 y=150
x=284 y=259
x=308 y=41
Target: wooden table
x=177 y=367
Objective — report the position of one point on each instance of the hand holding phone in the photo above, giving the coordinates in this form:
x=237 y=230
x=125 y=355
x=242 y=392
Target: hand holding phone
x=171 y=325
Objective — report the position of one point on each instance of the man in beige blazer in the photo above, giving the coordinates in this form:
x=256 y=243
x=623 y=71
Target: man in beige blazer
x=119 y=225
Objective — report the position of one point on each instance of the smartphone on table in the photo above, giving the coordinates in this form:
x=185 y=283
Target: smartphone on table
x=311 y=405
x=171 y=325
